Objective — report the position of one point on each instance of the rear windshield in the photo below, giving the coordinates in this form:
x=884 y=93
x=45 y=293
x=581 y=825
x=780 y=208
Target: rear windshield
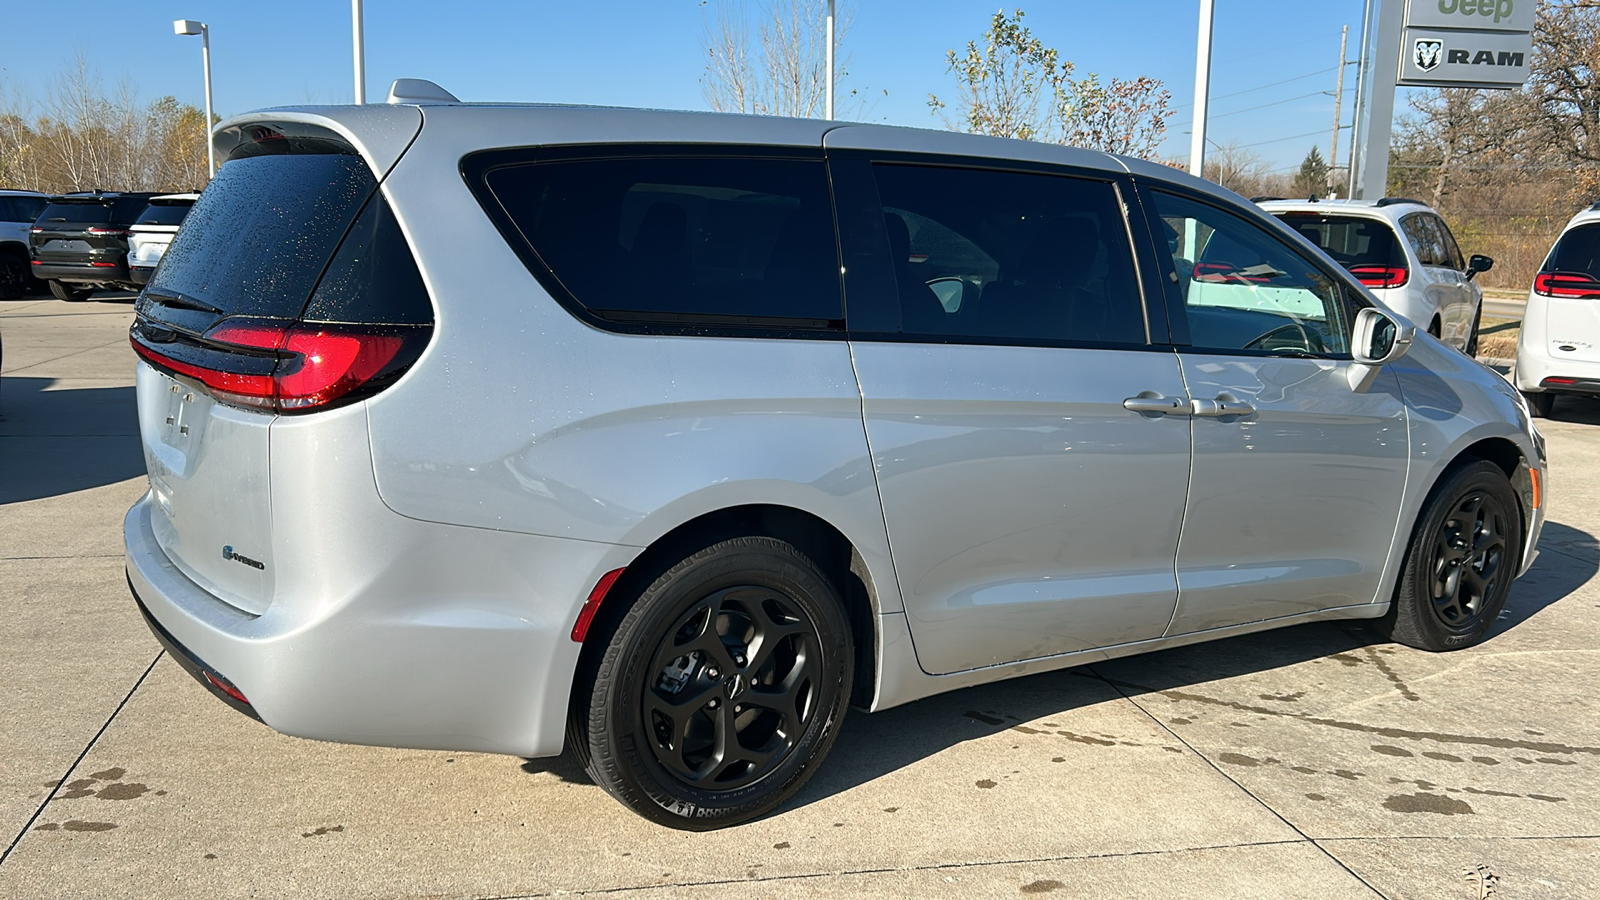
x=76 y=213
x=257 y=240
x=1350 y=240
x=163 y=214
x=1577 y=251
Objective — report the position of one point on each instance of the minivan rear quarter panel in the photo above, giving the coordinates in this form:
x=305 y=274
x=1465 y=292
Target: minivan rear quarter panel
x=529 y=430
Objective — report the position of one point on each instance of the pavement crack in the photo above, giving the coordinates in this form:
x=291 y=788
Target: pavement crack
x=1382 y=730
x=886 y=870
x=79 y=761
x=1391 y=674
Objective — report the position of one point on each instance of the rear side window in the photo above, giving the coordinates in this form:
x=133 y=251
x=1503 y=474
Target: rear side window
x=1425 y=236
x=258 y=239
x=29 y=208
x=679 y=240
x=1009 y=255
x=163 y=214
x=1350 y=240
x=1577 y=251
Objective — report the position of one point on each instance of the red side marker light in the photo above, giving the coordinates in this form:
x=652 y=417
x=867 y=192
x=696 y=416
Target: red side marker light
x=580 y=630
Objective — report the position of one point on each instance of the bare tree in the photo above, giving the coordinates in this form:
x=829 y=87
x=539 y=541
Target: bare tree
x=1012 y=85
x=1242 y=171
x=1564 y=76
x=787 y=73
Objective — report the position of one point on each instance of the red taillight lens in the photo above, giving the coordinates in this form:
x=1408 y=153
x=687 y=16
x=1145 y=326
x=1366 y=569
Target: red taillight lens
x=104 y=265
x=1381 y=276
x=315 y=364
x=1565 y=284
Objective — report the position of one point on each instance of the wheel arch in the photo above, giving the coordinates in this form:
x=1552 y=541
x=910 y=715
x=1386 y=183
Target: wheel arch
x=824 y=543
x=1506 y=456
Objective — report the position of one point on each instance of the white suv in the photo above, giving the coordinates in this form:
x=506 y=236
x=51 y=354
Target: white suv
x=149 y=236
x=1558 y=349
x=18 y=210
x=1404 y=253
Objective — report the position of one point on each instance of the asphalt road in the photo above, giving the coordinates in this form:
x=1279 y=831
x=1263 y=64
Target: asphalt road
x=1314 y=762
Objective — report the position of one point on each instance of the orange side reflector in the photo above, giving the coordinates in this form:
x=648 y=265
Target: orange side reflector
x=1538 y=497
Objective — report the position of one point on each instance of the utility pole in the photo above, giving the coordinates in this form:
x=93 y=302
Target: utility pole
x=1202 y=92
x=829 y=113
x=1338 y=110
x=360 y=52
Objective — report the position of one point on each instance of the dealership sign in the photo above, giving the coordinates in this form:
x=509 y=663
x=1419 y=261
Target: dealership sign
x=1466 y=43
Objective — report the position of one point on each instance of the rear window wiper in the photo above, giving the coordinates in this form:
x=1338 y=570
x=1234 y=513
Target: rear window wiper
x=180 y=300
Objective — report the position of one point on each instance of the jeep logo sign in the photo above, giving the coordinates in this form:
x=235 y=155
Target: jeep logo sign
x=1477 y=15
x=1464 y=58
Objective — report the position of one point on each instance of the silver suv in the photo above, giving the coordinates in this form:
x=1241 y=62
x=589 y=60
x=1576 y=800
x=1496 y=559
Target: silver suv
x=1403 y=252
x=664 y=437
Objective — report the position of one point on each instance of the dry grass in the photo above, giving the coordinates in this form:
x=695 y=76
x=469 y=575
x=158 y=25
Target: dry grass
x=1497 y=338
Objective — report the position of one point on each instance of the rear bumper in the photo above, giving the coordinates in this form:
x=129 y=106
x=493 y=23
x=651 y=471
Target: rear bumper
x=1534 y=372
x=453 y=639
x=80 y=272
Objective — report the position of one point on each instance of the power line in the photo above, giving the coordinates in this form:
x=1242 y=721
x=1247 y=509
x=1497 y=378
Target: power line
x=1264 y=86
x=1273 y=103
x=1282 y=139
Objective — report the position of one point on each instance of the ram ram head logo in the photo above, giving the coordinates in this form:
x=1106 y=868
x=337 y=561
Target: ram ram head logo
x=1427 y=54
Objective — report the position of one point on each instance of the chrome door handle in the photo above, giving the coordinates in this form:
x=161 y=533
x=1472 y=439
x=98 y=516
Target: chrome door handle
x=1223 y=406
x=1152 y=403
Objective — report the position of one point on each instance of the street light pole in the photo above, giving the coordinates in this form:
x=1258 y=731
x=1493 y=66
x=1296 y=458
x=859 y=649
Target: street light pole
x=1202 y=91
x=360 y=51
x=829 y=80
x=190 y=26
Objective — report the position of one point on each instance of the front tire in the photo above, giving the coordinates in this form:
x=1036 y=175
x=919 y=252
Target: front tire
x=1463 y=556
x=721 y=689
x=64 y=291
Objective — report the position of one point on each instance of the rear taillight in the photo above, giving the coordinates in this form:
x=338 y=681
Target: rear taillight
x=1565 y=284
x=1380 y=276
x=37 y=230
x=119 y=232
x=294 y=368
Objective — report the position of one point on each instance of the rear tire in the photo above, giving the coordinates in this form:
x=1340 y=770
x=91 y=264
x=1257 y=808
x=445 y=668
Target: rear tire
x=64 y=291
x=1540 y=403
x=721 y=689
x=14 y=276
x=1464 y=552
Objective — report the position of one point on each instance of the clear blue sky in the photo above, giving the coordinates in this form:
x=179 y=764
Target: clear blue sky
x=648 y=53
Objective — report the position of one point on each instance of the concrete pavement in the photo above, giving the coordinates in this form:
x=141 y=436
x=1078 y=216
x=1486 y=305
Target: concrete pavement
x=1310 y=762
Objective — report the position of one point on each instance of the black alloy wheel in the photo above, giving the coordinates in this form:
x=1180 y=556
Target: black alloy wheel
x=1464 y=553
x=734 y=686
x=1468 y=557
x=711 y=694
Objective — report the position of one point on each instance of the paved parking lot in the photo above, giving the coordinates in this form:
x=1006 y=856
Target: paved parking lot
x=1312 y=762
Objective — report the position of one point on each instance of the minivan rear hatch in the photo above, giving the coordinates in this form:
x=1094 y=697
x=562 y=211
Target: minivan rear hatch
x=289 y=290
x=1570 y=279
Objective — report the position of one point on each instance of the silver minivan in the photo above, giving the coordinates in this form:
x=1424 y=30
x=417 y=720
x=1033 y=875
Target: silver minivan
x=664 y=437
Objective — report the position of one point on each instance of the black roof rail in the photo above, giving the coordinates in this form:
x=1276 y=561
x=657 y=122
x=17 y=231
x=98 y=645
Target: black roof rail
x=1595 y=207
x=1266 y=199
x=1392 y=201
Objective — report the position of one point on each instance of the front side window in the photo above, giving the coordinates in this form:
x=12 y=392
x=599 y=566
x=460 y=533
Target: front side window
x=1244 y=289
x=1010 y=256
x=681 y=240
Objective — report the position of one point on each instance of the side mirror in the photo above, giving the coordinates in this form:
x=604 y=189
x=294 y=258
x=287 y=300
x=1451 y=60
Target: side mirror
x=1478 y=263
x=1380 y=337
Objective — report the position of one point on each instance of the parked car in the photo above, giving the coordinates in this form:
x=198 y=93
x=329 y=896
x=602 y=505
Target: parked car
x=152 y=231
x=1404 y=253
x=1558 y=347
x=665 y=435
x=80 y=242
x=18 y=209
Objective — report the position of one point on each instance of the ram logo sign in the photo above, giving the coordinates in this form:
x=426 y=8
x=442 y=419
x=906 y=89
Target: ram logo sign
x=1428 y=54
x=1438 y=58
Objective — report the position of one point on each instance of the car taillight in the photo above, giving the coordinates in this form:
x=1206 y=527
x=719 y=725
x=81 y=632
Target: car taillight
x=1565 y=284
x=119 y=232
x=1380 y=276
x=37 y=230
x=311 y=365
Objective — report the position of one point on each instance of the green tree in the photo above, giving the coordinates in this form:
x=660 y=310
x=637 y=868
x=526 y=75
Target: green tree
x=1312 y=179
